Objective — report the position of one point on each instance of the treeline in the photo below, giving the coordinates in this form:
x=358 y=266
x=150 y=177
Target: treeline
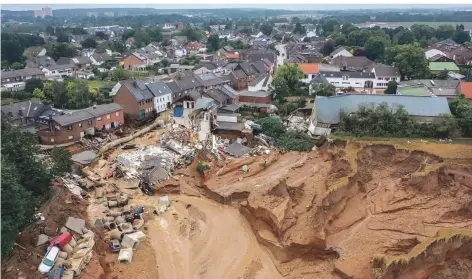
x=404 y=16
x=25 y=180
x=383 y=121
x=13 y=46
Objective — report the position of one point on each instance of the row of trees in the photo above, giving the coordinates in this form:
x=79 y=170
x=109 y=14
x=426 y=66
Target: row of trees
x=25 y=180
x=285 y=140
x=384 y=121
x=14 y=45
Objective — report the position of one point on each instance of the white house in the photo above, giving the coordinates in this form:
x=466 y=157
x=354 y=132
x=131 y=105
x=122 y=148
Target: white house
x=311 y=34
x=85 y=74
x=260 y=83
x=59 y=71
x=384 y=74
x=162 y=95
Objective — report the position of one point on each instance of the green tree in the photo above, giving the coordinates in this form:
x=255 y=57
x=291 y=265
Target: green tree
x=78 y=95
x=410 y=60
x=462 y=110
x=444 y=32
x=339 y=38
x=58 y=50
x=17 y=66
x=62 y=161
x=285 y=81
x=375 y=48
x=49 y=30
x=213 y=43
x=461 y=36
x=62 y=38
x=32 y=84
x=38 y=93
x=442 y=75
x=128 y=34
x=25 y=180
x=266 y=28
x=299 y=29
x=347 y=28
x=324 y=89
x=120 y=74
x=391 y=87
x=12 y=50
x=328 y=47
x=89 y=43
x=422 y=31
x=141 y=38
x=404 y=37
x=165 y=62
x=359 y=37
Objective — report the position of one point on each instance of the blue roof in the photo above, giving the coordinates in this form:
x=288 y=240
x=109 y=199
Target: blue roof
x=329 y=108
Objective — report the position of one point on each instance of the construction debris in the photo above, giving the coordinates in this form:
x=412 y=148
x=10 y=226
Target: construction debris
x=126 y=255
x=84 y=158
x=297 y=124
x=75 y=224
x=237 y=149
x=42 y=239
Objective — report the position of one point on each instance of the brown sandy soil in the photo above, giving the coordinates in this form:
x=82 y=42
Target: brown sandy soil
x=326 y=214
x=199 y=238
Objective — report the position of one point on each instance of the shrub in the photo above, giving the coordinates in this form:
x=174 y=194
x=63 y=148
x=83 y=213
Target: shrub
x=202 y=167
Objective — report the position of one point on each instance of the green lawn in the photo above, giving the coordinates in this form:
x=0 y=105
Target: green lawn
x=99 y=83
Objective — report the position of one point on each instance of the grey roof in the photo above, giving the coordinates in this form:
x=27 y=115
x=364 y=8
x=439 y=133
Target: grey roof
x=194 y=94
x=29 y=109
x=259 y=66
x=64 y=60
x=22 y=73
x=85 y=157
x=268 y=62
x=329 y=108
x=101 y=57
x=231 y=107
x=187 y=82
x=230 y=126
x=209 y=79
x=260 y=55
x=348 y=74
x=255 y=93
x=137 y=90
x=217 y=95
x=174 y=87
x=319 y=79
x=159 y=88
x=205 y=103
x=60 y=67
x=266 y=80
x=100 y=110
x=36 y=62
x=229 y=91
x=258 y=79
x=236 y=149
x=72 y=117
x=386 y=71
x=247 y=68
x=352 y=63
x=239 y=74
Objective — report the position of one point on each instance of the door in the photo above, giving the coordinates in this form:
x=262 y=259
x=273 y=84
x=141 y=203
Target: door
x=142 y=114
x=82 y=134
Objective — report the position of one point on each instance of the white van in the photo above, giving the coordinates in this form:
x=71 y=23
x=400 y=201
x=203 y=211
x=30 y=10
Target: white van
x=48 y=261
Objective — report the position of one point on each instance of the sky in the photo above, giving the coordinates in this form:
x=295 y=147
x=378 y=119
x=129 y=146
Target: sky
x=19 y=7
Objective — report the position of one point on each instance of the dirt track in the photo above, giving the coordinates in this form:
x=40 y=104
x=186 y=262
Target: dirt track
x=199 y=238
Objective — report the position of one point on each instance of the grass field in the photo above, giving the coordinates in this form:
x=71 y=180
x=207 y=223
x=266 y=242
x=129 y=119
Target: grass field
x=99 y=83
x=6 y=101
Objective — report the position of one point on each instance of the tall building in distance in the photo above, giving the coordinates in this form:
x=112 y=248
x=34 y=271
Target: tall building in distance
x=110 y=14
x=46 y=11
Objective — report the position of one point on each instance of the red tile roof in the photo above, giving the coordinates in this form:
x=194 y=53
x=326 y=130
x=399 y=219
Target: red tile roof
x=309 y=68
x=466 y=89
x=232 y=55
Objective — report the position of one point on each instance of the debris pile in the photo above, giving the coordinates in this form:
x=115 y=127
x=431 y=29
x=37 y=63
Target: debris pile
x=98 y=140
x=69 y=252
x=297 y=124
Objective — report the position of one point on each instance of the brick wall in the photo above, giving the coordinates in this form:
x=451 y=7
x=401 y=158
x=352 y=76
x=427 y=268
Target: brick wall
x=250 y=99
x=110 y=120
x=65 y=135
x=131 y=61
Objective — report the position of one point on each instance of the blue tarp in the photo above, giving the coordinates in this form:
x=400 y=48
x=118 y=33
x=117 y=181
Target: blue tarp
x=178 y=111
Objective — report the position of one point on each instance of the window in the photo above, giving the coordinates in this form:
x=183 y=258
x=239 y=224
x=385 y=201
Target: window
x=71 y=137
x=69 y=127
x=344 y=82
x=52 y=139
x=379 y=78
x=306 y=76
x=386 y=78
x=80 y=124
x=99 y=118
x=345 y=77
x=108 y=116
x=117 y=113
x=90 y=122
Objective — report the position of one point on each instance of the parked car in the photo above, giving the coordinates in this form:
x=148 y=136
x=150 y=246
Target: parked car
x=48 y=260
x=115 y=245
